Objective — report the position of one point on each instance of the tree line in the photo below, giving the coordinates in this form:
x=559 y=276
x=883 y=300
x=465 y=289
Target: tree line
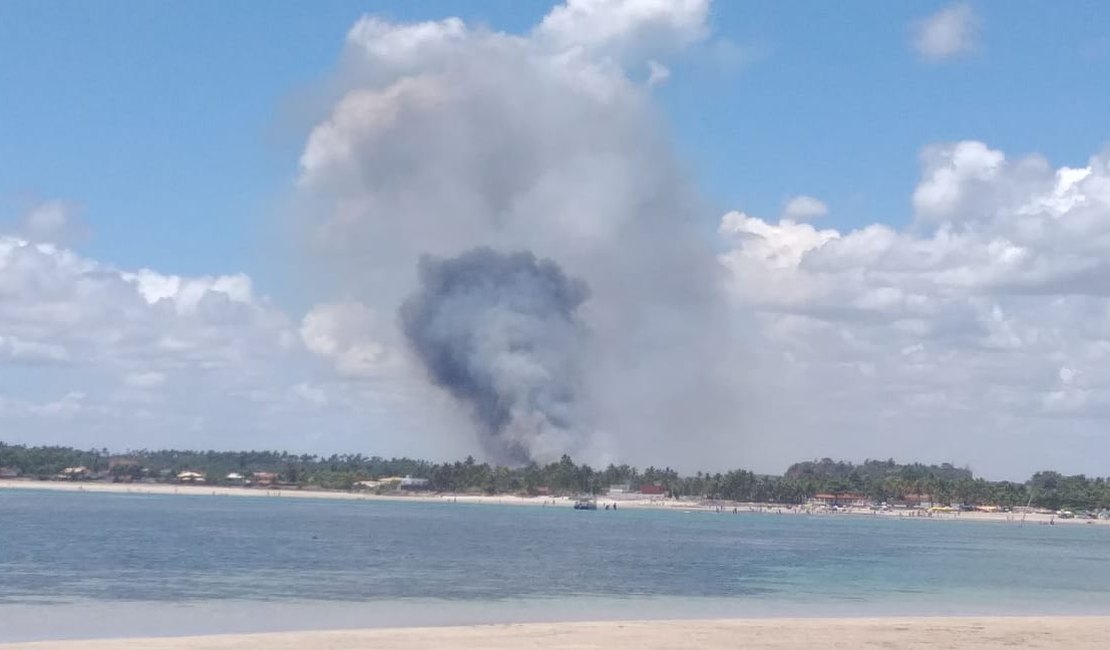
x=878 y=480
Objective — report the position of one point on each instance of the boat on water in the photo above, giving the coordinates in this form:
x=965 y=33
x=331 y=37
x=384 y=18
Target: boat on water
x=585 y=503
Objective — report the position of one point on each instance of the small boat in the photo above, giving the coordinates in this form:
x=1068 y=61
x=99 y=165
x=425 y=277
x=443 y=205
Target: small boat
x=585 y=503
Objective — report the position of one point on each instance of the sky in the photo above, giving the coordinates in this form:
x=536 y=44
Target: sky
x=857 y=230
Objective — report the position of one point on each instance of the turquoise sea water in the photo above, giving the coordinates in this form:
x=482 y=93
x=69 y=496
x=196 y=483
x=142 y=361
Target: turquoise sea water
x=81 y=564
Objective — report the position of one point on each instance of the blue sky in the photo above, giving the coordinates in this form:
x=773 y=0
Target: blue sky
x=177 y=126
x=948 y=302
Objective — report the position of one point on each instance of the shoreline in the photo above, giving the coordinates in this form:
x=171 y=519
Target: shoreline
x=621 y=501
x=778 y=634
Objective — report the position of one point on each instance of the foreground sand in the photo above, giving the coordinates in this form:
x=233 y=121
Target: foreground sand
x=1015 y=632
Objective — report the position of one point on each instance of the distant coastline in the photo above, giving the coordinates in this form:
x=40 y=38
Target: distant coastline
x=817 y=484
x=626 y=501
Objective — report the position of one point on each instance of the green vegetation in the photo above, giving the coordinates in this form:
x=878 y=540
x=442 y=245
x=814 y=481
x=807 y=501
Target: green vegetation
x=877 y=480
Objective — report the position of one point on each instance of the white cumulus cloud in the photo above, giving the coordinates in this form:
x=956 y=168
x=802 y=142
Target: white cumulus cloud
x=949 y=33
x=52 y=221
x=802 y=208
x=983 y=326
x=624 y=27
x=136 y=358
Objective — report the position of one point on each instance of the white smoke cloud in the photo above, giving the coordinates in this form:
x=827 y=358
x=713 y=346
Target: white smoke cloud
x=343 y=332
x=657 y=73
x=448 y=138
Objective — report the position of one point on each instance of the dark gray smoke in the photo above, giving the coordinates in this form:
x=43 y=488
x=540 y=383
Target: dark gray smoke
x=500 y=333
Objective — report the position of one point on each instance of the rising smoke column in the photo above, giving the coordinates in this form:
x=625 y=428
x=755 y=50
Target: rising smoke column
x=447 y=137
x=500 y=333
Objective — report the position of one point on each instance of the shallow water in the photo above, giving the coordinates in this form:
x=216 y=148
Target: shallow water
x=83 y=564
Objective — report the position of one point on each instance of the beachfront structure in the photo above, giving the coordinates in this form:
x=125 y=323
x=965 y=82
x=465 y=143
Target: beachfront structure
x=9 y=472
x=190 y=477
x=620 y=488
x=410 y=483
x=74 y=473
x=840 y=500
x=264 y=478
x=654 y=490
x=121 y=462
x=913 y=501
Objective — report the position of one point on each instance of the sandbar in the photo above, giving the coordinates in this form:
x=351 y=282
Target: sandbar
x=775 y=633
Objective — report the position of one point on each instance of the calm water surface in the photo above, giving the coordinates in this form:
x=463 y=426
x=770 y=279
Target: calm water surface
x=81 y=564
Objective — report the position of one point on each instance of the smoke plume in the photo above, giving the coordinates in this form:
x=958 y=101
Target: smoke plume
x=449 y=138
x=500 y=333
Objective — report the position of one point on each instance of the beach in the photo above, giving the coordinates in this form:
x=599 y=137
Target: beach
x=777 y=634
x=620 y=501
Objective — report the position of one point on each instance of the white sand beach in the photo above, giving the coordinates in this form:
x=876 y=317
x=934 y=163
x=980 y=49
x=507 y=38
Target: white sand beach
x=622 y=501
x=778 y=634
x=221 y=491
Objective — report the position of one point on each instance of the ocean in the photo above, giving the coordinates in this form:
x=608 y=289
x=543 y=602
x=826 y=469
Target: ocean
x=78 y=565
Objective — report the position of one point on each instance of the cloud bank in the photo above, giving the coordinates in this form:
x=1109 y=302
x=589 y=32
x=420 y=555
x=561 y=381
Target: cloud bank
x=980 y=330
x=98 y=356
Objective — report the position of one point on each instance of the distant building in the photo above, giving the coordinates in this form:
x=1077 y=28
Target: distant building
x=123 y=462
x=913 y=501
x=841 y=500
x=264 y=478
x=410 y=483
x=367 y=485
x=620 y=488
x=124 y=469
x=74 y=473
x=190 y=477
x=9 y=472
x=653 y=489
